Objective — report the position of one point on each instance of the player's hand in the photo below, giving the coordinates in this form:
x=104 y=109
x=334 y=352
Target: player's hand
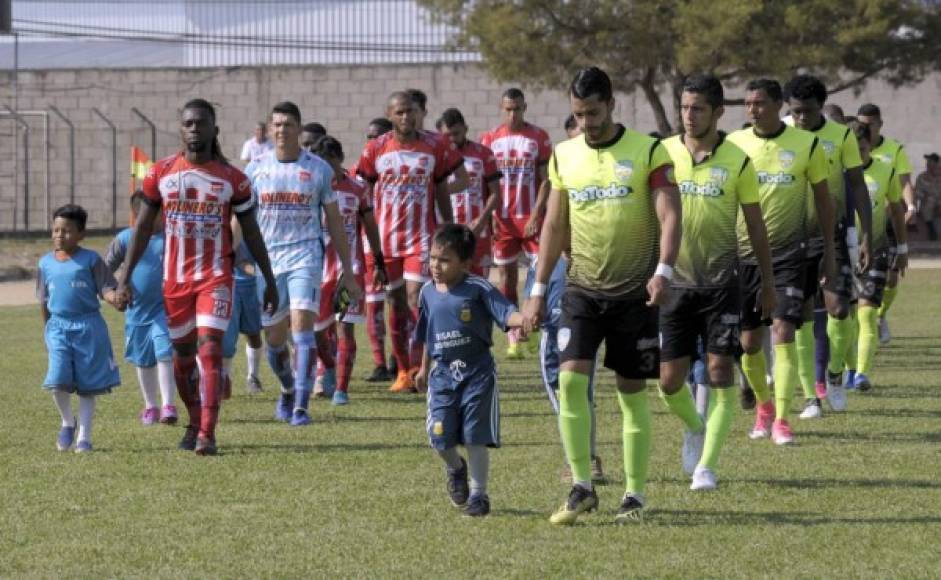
x=865 y=254
x=421 y=379
x=379 y=276
x=658 y=288
x=270 y=305
x=901 y=263
x=829 y=269
x=533 y=312
x=910 y=214
x=532 y=226
x=477 y=225
x=768 y=301
x=349 y=282
x=123 y=296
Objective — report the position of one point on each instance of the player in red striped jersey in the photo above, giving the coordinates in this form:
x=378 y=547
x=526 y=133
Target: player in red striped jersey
x=198 y=190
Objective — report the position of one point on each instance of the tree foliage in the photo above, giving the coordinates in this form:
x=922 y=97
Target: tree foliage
x=652 y=45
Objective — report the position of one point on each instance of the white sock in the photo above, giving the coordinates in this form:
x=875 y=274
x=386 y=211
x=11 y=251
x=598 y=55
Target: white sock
x=63 y=401
x=451 y=458
x=167 y=381
x=147 y=377
x=86 y=414
x=478 y=462
x=253 y=356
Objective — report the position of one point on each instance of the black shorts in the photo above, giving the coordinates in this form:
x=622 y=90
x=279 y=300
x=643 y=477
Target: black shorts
x=813 y=266
x=871 y=284
x=712 y=314
x=628 y=328
x=789 y=281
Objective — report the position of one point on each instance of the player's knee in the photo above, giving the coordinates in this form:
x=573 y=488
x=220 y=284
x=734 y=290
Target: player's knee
x=672 y=377
x=720 y=372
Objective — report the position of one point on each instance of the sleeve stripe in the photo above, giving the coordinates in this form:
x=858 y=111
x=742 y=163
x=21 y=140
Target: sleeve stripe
x=744 y=165
x=813 y=147
x=653 y=148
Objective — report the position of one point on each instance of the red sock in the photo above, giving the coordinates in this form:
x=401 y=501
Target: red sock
x=346 y=357
x=398 y=321
x=415 y=348
x=187 y=385
x=376 y=329
x=210 y=361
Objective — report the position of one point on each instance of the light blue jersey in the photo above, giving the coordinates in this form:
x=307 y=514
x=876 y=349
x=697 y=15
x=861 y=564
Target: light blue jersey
x=146 y=281
x=71 y=289
x=290 y=198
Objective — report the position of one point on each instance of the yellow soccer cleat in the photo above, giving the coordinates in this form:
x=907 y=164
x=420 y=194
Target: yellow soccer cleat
x=580 y=501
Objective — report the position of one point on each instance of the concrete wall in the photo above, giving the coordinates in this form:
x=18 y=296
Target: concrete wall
x=344 y=99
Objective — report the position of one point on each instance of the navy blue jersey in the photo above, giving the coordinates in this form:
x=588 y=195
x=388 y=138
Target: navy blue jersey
x=457 y=325
x=70 y=289
x=147 y=279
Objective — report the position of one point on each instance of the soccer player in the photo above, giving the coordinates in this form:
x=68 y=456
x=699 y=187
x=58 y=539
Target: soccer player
x=146 y=337
x=310 y=133
x=198 y=191
x=69 y=283
x=294 y=188
x=474 y=206
x=404 y=169
x=884 y=188
x=258 y=145
x=805 y=97
x=455 y=321
x=522 y=152
x=716 y=179
x=356 y=210
x=611 y=188
x=790 y=162
x=891 y=152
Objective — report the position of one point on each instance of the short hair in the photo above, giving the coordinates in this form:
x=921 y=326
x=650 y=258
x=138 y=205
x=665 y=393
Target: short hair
x=328 y=146
x=459 y=238
x=137 y=198
x=418 y=97
x=869 y=110
x=203 y=105
x=514 y=94
x=74 y=213
x=835 y=112
x=315 y=128
x=591 y=81
x=806 y=87
x=707 y=85
x=382 y=123
x=451 y=117
x=403 y=96
x=261 y=125
x=570 y=123
x=771 y=87
x=288 y=108
x=861 y=130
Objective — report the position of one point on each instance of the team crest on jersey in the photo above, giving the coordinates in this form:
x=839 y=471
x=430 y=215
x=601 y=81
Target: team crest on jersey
x=303 y=175
x=562 y=339
x=217 y=187
x=786 y=158
x=829 y=147
x=624 y=169
x=887 y=159
x=873 y=187
x=719 y=174
x=465 y=312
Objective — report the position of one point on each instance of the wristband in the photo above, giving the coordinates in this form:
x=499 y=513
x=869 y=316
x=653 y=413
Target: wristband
x=539 y=289
x=664 y=270
x=901 y=249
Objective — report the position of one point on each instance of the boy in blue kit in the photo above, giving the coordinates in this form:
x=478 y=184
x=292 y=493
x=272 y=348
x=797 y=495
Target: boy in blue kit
x=456 y=313
x=146 y=339
x=246 y=317
x=80 y=359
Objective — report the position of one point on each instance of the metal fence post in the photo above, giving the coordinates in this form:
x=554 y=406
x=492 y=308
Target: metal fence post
x=22 y=123
x=153 y=132
x=114 y=166
x=71 y=127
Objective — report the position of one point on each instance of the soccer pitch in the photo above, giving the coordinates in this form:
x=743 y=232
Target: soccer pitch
x=360 y=494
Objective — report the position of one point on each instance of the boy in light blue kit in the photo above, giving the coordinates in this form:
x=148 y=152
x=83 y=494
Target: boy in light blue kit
x=146 y=339
x=456 y=313
x=70 y=281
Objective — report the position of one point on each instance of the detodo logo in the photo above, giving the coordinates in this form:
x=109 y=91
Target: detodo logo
x=779 y=178
x=708 y=189
x=595 y=193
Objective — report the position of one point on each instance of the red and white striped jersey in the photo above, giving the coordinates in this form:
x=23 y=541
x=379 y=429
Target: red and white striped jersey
x=197 y=202
x=518 y=155
x=404 y=176
x=481 y=167
x=352 y=200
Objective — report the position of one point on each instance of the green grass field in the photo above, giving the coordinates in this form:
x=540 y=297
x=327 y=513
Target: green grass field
x=359 y=494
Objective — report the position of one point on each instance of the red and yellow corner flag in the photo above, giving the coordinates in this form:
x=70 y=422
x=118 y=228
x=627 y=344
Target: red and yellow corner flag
x=140 y=163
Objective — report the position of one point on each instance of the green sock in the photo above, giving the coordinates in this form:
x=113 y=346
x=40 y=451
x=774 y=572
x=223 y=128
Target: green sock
x=805 y=358
x=721 y=415
x=839 y=332
x=888 y=297
x=852 y=350
x=756 y=371
x=635 y=412
x=575 y=423
x=684 y=407
x=868 y=339
x=785 y=377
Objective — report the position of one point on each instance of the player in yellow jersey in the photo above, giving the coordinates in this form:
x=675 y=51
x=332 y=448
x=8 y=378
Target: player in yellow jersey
x=790 y=162
x=716 y=180
x=612 y=190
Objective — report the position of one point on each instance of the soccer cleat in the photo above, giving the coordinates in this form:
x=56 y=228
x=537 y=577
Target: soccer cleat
x=300 y=418
x=692 y=449
x=836 y=392
x=205 y=446
x=703 y=479
x=403 y=384
x=781 y=432
x=764 y=416
x=514 y=352
x=850 y=382
x=458 y=489
x=329 y=382
x=812 y=409
x=885 y=337
x=821 y=389
x=579 y=501
x=65 y=438
x=253 y=385
x=282 y=412
x=340 y=398
x=597 y=473
x=83 y=447
x=168 y=415
x=149 y=416
x=379 y=374
x=746 y=397
x=188 y=442
x=862 y=382
x=478 y=506
x=631 y=510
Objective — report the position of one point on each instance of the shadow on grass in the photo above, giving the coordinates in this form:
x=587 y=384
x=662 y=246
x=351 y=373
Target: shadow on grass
x=874 y=437
x=809 y=483
x=711 y=518
x=320 y=447
x=898 y=413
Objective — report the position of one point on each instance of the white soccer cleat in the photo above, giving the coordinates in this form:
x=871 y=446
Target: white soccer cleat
x=692 y=449
x=812 y=409
x=704 y=479
x=836 y=392
x=885 y=337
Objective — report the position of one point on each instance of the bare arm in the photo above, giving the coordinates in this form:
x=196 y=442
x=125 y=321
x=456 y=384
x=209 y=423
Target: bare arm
x=901 y=234
x=251 y=235
x=461 y=180
x=342 y=246
x=493 y=200
x=857 y=184
x=443 y=199
x=143 y=229
x=421 y=378
x=552 y=241
x=542 y=196
x=758 y=234
x=669 y=210
x=908 y=195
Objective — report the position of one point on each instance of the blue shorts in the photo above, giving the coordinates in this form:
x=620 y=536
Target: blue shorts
x=80 y=356
x=246 y=317
x=463 y=408
x=297 y=290
x=145 y=344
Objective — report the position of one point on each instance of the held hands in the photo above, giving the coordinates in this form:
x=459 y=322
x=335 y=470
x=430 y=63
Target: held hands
x=271 y=298
x=349 y=282
x=121 y=296
x=901 y=263
x=533 y=312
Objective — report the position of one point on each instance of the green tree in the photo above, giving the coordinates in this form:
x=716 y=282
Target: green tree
x=652 y=45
